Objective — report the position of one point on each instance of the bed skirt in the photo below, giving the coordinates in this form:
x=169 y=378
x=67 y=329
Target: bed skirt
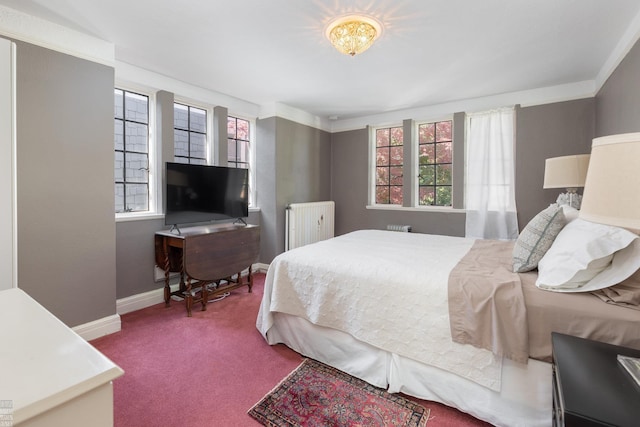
x=525 y=398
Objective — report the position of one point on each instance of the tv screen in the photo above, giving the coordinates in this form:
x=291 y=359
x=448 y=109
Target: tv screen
x=198 y=193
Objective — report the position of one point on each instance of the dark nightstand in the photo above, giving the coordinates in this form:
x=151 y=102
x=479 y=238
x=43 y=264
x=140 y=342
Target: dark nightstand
x=590 y=388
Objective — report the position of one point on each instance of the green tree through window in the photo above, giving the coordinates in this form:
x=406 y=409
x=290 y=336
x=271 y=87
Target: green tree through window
x=389 y=164
x=434 y=163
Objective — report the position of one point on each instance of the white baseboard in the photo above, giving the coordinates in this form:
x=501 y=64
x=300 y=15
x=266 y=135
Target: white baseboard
x=98 y=328
x=140 y=301
x=110 y=324
x=260 y=267
x=156 y=296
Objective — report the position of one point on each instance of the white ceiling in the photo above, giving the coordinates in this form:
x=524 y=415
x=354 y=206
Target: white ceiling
x=430 y=52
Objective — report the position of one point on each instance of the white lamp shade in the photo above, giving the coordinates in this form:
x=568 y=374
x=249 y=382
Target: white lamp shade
x=612 y=189
x=566 y=171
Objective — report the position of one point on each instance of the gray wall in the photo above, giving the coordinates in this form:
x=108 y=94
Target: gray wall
x=542 y=131
x=293 y=166
x=545 y=131
x=66 y=226
x=618 y=101
x=266 y=189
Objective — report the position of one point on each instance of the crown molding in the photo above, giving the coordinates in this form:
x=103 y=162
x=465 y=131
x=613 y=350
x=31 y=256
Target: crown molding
x=144 y=79
x=527 y=98
x=625 y=44
x=21 y=26
x=278 y=109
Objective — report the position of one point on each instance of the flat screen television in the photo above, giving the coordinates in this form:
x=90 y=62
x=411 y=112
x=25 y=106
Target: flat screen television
x=199 y=193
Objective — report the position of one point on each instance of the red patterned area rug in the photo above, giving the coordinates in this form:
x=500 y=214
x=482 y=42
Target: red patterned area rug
x=315 y=394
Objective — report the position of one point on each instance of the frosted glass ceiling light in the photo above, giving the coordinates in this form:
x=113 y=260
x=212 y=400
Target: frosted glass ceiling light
x=353 y=34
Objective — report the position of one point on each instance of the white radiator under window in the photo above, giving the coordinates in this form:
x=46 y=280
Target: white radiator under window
x=308 y=223
x=396 y=227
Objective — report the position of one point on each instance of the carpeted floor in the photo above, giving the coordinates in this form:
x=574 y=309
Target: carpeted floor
x=207 y=370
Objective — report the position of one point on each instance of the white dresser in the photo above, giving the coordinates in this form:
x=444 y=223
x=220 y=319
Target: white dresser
x=49 y=375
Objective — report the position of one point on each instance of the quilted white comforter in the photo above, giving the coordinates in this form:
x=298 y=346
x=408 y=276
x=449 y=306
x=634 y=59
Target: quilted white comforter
x=387 y=289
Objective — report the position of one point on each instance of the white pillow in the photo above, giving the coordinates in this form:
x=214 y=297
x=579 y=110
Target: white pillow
x=625 y=263
x=570 y=213
x=581 y=252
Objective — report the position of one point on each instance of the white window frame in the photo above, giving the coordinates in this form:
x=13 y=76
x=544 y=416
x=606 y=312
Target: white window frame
x=411 y=143
x=211 y=160
x=155 y=164
x=253 y=193
x=373 y=166
x=415 y=146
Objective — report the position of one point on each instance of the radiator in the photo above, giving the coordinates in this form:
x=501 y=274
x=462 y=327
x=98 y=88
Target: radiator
x=308 y=223
x=396 y=227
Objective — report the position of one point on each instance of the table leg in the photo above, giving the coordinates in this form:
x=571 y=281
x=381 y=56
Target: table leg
x=204 y=294
x=188 y=297
x=167 y=289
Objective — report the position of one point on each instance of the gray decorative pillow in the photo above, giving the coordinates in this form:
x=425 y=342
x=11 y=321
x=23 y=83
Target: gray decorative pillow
x=536 y=238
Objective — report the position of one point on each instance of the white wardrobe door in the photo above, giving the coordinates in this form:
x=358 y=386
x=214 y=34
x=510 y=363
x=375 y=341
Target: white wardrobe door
x=8 y=224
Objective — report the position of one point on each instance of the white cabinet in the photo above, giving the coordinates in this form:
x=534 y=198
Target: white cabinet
x=50 y=376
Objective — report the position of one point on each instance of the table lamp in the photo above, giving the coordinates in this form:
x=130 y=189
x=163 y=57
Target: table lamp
x=567 y=172
x=612 y=196
x=612 y=188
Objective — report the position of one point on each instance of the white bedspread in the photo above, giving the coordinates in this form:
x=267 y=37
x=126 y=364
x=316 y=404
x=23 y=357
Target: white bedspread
x=387 y=289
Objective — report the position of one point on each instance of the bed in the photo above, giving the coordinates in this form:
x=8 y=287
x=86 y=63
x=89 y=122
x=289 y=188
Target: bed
x=380 y=306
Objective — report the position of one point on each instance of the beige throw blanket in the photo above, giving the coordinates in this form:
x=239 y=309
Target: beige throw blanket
x=486 y=303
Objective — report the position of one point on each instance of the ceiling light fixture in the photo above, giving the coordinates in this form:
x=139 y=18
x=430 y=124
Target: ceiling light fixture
x=353 y=34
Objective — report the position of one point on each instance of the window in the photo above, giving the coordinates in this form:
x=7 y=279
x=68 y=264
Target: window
x=434 y=163
x=490 y=198
x=239 y=143
x=190 y=134
x=239 y=149
x=131 y=151
x=389 y=164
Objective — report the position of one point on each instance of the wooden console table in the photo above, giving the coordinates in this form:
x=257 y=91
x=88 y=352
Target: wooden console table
x=210 y=255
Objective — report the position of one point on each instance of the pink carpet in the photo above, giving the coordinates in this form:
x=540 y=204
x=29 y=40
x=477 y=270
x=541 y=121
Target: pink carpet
x=207 y=370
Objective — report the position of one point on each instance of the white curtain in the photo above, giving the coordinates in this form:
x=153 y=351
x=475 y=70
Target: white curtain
x=490 y=175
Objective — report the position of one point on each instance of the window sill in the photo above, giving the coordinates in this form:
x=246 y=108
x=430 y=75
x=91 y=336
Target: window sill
x=145 y=216
x=142 y=216
x=442 y=209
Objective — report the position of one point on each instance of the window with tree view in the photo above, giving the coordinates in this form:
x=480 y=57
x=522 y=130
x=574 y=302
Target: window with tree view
x=434 y=163
x=239 y=145
x=389 y=163
x=131 y=151
x=239 y=148
x=189 y=134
